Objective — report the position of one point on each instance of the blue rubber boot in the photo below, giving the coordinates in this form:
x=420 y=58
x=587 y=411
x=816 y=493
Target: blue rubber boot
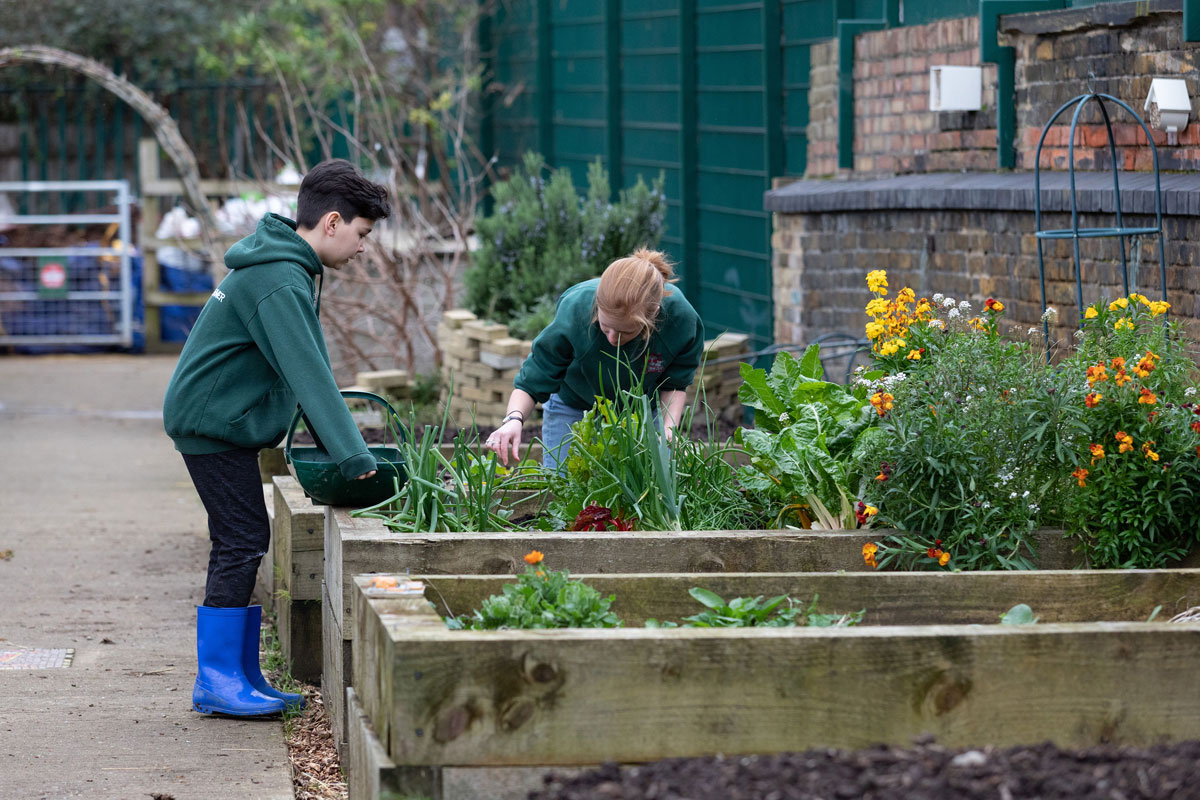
x=294 y=702
x=222 y=685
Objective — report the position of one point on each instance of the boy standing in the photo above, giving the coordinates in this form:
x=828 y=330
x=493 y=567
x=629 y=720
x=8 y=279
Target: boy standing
x=255 y=352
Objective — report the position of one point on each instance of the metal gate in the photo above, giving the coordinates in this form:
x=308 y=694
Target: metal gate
x=79 y=295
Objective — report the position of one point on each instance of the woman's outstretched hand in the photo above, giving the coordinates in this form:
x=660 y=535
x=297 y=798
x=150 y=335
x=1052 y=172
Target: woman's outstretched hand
x=506 y=440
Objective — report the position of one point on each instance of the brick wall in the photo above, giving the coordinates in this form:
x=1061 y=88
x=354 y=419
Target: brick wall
x=1053 y=67
x=1125 y=44
x=895 y=132
x=821 y=261
x=822 y=109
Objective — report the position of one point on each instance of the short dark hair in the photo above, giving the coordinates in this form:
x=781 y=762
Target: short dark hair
x=337 y=185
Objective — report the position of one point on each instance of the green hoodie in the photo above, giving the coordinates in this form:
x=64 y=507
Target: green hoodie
x=573 y=358
x=255 y=351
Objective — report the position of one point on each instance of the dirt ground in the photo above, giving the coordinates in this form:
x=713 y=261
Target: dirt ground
x=923 y=772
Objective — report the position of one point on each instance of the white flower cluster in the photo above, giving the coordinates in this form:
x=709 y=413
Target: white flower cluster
x=938 y=298
x=1050 y=313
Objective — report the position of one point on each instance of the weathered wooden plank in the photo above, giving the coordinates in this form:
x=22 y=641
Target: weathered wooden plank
x=373 y=645
x=579 y=696
x=305 y=575
x=298 y=623
x=302 y=521
x=335 y=672
x=264 y=585
x=271 y=463
x=889 y=598
x=371 y=774
x=357 y=546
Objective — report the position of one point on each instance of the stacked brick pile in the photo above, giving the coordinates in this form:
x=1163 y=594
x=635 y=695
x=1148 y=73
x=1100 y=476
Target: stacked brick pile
x=720 y=381
x=481 y=360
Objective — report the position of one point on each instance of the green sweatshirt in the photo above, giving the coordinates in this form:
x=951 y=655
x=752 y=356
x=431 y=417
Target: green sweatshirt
x=255 y=351
x=573 y=358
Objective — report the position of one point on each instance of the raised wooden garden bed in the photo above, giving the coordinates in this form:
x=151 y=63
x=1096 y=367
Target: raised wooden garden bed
x=356 y=546
x=435 y=698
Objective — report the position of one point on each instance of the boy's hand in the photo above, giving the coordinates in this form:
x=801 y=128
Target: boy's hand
x=366 y=475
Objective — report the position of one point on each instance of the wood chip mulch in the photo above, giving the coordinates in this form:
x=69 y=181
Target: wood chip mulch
x=316 y=771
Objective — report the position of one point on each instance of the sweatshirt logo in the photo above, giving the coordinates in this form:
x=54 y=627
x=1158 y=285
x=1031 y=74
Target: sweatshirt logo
x=217 y=293
x=654 y=363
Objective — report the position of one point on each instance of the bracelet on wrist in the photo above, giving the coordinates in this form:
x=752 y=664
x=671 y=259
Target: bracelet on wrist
x=518 y=416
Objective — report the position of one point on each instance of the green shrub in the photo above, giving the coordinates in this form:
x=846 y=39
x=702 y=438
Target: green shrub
x=543 y=238
x=1137 y=469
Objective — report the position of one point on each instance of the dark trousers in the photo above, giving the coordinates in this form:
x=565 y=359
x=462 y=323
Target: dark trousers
x=230 y=488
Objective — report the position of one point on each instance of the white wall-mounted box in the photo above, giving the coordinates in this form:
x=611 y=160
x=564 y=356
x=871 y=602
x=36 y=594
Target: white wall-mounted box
x=955 y=88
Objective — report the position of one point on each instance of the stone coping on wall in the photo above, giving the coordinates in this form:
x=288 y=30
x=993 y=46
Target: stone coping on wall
x=1102 y=14
x=1008 y=191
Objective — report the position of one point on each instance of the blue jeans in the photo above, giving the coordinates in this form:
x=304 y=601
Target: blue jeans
x=557 y=418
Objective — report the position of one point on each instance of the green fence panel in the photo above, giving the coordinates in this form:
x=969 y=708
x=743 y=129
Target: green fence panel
x=733 y=170
x=515 y=110
x=580 y=85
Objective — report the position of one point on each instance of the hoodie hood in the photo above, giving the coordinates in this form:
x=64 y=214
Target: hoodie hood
x=274 y=240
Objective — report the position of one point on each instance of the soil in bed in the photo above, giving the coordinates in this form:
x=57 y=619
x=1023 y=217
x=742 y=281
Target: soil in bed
x=923 y=772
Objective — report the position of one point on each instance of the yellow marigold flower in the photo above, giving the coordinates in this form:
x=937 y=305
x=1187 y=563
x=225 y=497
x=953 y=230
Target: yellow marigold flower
x=874 y=330
x=868 y=552
x=1096 y=374
x=1147 y=397
x=877 y=307
x=533 y=557
x=993 y=305
x=877 y=281
x=1120 y=302
x=1139 y=298
x=1097 y=452
x=889 y=348
x=1123 y=324
x=871 y=511
x=900 y=342
x=976 y=323
x=1126 y=442
x=906 y=295
x=1091 y=313
x=1093 y=399
x=1153 y=356
x=1081 y=476
x=1159 y=307
x=1150 y=454
x=914 y=355
x=944 y=559
x=923 y=308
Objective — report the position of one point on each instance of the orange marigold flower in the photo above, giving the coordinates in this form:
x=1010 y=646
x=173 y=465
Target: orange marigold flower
x=1147 y=397
x=868 y=551
x=1122 y=378
x=1093 y=399
x=882 y=401
x=1150 y=454
x=1118 y=363
x=1081 y=476
x=1096 y=373
x=944 y=559
x=1097 y=451
x=993 y=305
x=533 y=557
x=881 y=477
x=1196 y=426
